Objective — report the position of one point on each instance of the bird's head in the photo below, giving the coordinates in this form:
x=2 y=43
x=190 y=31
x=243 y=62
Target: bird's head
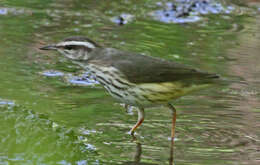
x=75 y=48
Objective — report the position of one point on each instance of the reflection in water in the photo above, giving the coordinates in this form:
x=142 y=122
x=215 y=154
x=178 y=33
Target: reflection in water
x=138 y=154
x=171 y=159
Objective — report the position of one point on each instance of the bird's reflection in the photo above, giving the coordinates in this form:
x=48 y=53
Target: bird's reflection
x=138 y=154
x=171 y=159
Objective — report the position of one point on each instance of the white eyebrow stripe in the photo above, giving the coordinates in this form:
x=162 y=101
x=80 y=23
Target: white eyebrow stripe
x=86 y=44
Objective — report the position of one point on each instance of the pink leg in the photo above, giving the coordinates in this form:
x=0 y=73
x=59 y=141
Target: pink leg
x=139 y=122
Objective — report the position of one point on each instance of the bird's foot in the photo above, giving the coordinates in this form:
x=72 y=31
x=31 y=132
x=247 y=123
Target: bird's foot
x=132 y=133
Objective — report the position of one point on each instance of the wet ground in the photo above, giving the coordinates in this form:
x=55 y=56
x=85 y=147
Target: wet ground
x=51 y=112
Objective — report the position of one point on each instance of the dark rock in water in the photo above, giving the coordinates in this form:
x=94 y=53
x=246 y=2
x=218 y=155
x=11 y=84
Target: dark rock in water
x=174 y=7
x=184 y=14
x=122 y=19
x=167 y=14
x=185 y=11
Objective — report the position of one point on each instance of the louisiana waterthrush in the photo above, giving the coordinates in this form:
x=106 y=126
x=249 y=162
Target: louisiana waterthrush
x=134 y=79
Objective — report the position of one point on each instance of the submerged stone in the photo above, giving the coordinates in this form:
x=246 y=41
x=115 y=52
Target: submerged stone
x=4 y=102
x=52 y=73
x=86 y=79
x=14 y=11
x=185 y=11
x=3 y=11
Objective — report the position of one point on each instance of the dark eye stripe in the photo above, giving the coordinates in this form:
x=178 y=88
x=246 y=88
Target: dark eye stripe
x=75 y=47
x=69 y=47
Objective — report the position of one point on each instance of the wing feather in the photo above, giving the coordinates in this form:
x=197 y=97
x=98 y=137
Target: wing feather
x=138 y=68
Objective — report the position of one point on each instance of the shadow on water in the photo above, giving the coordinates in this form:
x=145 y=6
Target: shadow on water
x=52 y=113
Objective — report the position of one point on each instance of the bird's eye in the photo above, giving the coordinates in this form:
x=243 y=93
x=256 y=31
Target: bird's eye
x=69 y=47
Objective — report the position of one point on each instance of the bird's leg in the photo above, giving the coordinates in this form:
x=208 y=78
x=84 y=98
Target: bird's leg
x=139 y=122
x=173 y=121
x=126 y=108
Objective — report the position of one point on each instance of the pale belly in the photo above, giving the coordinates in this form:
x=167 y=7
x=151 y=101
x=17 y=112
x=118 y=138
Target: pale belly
x=146 y=95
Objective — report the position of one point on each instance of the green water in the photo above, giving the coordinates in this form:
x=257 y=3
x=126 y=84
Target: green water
x=49 y=121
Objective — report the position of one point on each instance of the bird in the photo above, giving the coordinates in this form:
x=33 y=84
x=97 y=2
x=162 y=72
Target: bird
x=135 y=79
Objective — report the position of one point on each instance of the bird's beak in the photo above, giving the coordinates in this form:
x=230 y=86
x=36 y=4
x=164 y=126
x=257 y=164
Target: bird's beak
x=48 y=47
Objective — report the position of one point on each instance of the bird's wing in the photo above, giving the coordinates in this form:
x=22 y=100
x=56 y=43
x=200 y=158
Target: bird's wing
x=145 y=69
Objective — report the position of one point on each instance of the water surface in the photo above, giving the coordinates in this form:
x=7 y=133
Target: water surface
x=49 y=120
